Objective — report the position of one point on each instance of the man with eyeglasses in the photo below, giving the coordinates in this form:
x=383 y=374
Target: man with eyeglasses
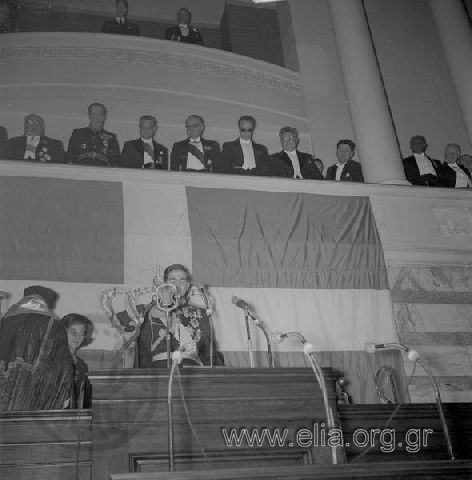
x=33 y=144
x=145 y=152
x=243 y=155
x=290 y=162
x=196 y=154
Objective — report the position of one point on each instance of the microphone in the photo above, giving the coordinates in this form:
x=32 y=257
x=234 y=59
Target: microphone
x=240 y=303
x=371 y=347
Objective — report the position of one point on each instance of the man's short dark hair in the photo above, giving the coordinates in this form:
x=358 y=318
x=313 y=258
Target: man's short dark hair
x=123 y=1
x=346 y=141
x=247 y=118
x=292 y=130
x=148 y=117
x=199 y=118
x=189 y=13
x=96 y=104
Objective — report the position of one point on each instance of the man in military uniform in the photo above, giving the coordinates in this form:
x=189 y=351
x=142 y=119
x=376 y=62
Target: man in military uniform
x=93 y=145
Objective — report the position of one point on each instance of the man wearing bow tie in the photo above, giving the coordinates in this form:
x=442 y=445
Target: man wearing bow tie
x=120 y=25
x=345 y=169
x=290 y=162
x=243 y=155
x=196 y=154
x=145 y=152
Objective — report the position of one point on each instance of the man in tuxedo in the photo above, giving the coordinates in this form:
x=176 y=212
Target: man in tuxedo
x=289 y=162
x=452 y=173
x=345 y=169
x=196 y=154
x=34 y=145
x=93 y=145
x=419 y=168
x=145 y=152
x=183 y=31
x=120 y=25
x=243 y=155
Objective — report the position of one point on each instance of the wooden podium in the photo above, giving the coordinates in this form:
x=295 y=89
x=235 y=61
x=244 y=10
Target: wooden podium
x=130 y=418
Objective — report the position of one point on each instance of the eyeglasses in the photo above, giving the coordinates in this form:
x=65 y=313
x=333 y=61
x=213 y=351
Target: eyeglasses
x=33 y=123
x=246 y=130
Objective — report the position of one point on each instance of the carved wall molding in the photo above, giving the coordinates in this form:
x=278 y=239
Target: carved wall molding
x=146 y=57
x=453 y=222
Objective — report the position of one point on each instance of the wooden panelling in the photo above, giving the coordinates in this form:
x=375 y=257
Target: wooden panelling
x=48 y=445
x=424 y=470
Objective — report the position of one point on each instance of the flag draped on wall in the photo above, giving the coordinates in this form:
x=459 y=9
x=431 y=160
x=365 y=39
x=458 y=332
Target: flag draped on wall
x=305 y=262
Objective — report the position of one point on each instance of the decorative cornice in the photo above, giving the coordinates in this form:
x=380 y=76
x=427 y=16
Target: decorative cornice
x=147 y=57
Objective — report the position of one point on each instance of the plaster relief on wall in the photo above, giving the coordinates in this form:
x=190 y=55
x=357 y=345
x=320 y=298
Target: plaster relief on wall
x=155 y=58
x=453 y=222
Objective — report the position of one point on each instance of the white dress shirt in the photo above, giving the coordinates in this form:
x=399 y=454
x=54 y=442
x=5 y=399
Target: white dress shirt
x=184 y=29
x=193 y=163
x=120 y=20
x=339 y=170
x=424 y=164
x=248 y=154
x=31 y=146
x=148 y=158
x=462 y=180
x=295 y=163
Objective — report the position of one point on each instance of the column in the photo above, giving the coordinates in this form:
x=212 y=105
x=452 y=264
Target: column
x=372 y=123
x=456 y=38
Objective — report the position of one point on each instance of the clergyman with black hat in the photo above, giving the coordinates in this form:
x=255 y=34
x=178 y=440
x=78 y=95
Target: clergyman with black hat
x=33 y=341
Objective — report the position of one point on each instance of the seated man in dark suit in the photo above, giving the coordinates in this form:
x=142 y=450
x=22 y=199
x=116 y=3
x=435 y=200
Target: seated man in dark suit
x=243 y=155
x=120 y=25
x=145 y=152
x=196 y=153
x=3 y=142
x=345 y=169
x=419 y=168
x=452 y=173
x=34 y=145
x=183 y=31
x=290 y=162
x=93 y=145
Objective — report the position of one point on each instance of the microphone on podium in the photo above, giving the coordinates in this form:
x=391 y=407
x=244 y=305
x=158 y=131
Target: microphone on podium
x=243 y=305
x=371 y=347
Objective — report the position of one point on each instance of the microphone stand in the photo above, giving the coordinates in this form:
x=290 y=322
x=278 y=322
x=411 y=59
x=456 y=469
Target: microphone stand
x=415 y=357
x=309 y=351
x=249 y=340
x=176 y=359
x=209 y=312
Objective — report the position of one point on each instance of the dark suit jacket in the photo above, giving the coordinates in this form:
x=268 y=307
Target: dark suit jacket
x=233 y=158
x=412 y=173
x=3 y=141
x=352 y=172
x=194 y=36
x=16 y=147
x=448 y=174
x=280 y=165
x=128 y=28
x=132 y=155
x=211 y=153
x=93 y=148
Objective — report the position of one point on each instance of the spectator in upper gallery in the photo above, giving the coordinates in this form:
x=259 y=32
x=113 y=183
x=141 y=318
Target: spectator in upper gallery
x=5 y=18
x=93 y=145
x=345 y=169
x=145 y=152
x=320 y=165
x=465 y=161
x=33 y=144
x=184 y=31
x=243 y=155
x=120 y=25
x=453 y=174
x=3 y=141
x=196 y=153
x=290 y=162
x=419 y=168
